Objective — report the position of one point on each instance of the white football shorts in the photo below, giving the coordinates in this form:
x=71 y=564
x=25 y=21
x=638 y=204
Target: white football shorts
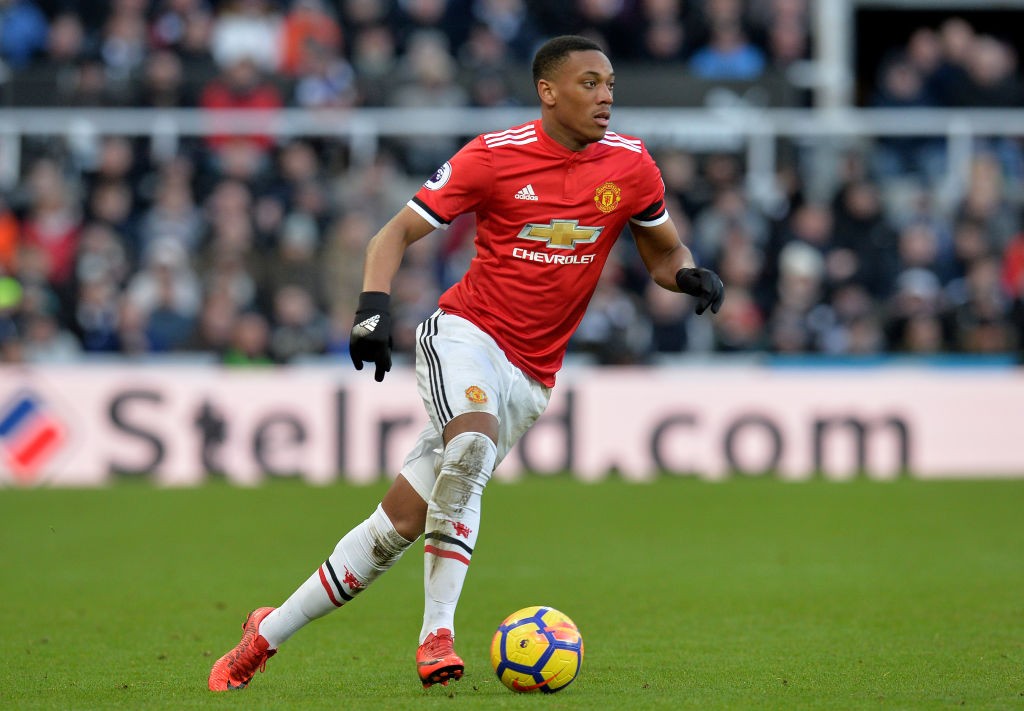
x=460 y=369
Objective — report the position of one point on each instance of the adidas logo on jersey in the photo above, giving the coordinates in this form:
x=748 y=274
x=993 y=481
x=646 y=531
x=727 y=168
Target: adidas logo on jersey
x=527 y=193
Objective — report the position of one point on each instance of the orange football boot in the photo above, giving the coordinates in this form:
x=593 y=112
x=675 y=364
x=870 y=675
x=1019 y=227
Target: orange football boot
x=436 y=660
x=236 y=668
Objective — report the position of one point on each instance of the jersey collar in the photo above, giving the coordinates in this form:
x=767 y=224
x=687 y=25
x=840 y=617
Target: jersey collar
x=554 y=146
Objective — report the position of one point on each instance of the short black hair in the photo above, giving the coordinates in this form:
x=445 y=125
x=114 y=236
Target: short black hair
x=554 y=52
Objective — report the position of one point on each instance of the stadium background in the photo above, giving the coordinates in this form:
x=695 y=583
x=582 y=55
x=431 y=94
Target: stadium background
x=186 y=188
x=176 y=286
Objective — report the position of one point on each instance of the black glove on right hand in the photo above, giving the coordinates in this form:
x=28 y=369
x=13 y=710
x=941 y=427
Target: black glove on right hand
x=704 y=285
x=371 y=335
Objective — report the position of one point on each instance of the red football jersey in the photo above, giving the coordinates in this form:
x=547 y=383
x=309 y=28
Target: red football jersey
x=547 y=218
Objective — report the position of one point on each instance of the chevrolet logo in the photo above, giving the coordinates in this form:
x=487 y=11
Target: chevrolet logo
x=562 y=234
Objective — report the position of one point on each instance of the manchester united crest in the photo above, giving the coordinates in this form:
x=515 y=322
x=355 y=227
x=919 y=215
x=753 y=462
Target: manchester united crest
x=475 y=395
x=607 y=196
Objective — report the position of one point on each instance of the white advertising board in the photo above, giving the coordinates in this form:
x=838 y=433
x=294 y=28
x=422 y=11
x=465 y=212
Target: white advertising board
x=178 y=426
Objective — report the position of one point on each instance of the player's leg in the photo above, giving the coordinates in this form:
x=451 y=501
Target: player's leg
x=476 y=398
x=452 y=526
x=359 y=558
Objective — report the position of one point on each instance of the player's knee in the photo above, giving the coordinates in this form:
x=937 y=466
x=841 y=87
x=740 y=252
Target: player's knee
x=405 y=509
x=470 y=456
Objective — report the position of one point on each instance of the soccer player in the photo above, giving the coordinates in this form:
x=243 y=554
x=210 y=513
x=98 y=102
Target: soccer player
x=550 y=198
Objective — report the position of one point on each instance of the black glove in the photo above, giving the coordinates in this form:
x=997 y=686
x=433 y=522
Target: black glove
x=371 y=335
x=704 y=285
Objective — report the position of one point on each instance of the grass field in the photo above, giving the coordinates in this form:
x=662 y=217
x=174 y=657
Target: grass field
x=749 y=594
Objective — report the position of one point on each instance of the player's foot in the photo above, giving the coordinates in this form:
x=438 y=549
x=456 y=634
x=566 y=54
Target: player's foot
x=436 y=660
x=236 y=668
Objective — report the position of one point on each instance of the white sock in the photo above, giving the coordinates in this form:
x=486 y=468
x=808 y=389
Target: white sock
x=453 y=517
x=360 y=557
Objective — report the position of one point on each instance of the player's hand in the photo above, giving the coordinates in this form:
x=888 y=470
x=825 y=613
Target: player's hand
x=371 y=335
x=704 y=285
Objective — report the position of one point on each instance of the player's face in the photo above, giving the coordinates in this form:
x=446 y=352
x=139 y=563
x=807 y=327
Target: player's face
x=582 y=99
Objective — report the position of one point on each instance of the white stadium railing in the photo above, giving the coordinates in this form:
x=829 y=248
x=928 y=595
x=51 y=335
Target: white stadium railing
x=740 y=128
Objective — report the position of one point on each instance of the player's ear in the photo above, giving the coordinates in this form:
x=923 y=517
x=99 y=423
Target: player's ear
x=546 y=92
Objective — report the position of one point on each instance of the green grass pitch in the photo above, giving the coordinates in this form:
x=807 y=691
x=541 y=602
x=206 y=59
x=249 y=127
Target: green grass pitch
x=747 y=594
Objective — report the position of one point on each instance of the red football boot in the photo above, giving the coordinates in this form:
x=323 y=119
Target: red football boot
x=236 y=668
x=436 y=660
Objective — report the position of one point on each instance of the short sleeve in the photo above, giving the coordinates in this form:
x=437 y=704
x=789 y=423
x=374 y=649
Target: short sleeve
x=652 y=210
x=459 y=186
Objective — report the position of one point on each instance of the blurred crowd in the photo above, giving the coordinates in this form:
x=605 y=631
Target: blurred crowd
x=249 y=250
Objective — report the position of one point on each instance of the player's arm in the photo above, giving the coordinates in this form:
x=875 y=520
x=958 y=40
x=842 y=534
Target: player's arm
x=370 y=340
x=385 y=251
x=671 y=265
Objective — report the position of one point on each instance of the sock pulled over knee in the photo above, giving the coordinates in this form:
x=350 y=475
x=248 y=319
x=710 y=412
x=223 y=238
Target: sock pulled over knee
x=453 y=520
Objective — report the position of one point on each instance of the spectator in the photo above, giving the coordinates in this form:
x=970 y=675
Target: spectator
x=800 y=288
x=664 y=42
x=956 y=36
x=345 y=241
x=162 y=85
x=729 y=210
x=170 y=18
x=981 y=315
x=65 y=46
x=123 y=45
x=989 y=78
x=112 y=205
x=102 y=255
x=23 y=30
x=166 y=281
x=374 y=57
x=96 y=316
x=45 y=340
x=915 y=320
x=728 y=54
x=986 y=201
x=216 y=322
x=739 y=327
x=662 y=25
x=903 y=87
x=326 y=81
x=509 y=21
x=169 y=323
x=919 y=248
x=614 y=330
x=250 y=340
x=483 y=61
x=173 y=215
x=297 y=261
x=449 y=19
x=194 y=48
x=299 y=328
x=607 y=22
x=54 y=221
x=866 y=244
x=427 y=79
x=240 y=86
x=247 y=31
x=229 y=262
x=10 y=235
x=308 y=34
x=668 y=318
x=787 y=43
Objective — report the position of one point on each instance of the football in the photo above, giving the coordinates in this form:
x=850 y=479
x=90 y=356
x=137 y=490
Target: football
x=537 y=649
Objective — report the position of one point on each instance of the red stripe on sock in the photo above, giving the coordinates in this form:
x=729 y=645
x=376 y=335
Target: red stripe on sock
x=446 y=554
x=327 y=587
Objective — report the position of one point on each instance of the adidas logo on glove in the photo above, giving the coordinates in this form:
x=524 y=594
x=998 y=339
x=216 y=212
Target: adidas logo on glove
x=370 y=324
